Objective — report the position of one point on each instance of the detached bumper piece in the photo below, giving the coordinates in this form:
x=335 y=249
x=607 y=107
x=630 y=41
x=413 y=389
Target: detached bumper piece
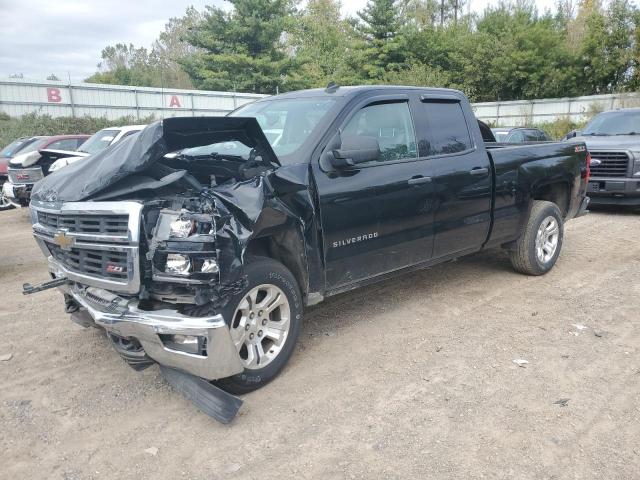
x=207 y=397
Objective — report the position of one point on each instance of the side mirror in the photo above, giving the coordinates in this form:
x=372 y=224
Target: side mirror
x=572 y=134
x=354 y=150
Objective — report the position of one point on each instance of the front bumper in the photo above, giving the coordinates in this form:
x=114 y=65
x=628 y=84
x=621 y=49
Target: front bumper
x=618 y=191
x=17 y=194
x=124 y=318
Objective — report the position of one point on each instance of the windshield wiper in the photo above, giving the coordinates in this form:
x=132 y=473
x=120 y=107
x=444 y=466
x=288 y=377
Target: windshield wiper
x=213 y=155
x=595 y=134
x=628 y=133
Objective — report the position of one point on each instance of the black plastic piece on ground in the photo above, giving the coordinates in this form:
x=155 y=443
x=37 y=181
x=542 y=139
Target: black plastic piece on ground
x=207 y=397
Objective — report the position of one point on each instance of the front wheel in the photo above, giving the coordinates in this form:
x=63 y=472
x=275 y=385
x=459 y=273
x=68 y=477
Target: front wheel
x=538 y=248
x=264 y=320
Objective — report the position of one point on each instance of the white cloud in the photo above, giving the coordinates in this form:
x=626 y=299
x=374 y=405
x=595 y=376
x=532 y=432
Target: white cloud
x=39 y=37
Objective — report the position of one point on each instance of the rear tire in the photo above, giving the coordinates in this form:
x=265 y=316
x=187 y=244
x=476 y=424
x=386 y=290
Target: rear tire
x=538 y=248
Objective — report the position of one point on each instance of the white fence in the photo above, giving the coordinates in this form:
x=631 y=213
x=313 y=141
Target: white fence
x=521 y=112
x=58 y=99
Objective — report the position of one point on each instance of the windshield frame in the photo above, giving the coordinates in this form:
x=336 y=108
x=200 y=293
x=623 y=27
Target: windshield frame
x=596 y=123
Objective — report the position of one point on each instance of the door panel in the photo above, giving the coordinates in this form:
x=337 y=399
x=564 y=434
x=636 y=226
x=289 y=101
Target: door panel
x=461 y=180
x=377 y=217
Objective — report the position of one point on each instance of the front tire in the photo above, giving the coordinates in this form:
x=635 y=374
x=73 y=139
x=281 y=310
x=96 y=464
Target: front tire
x=538 y=248
x=264 y=319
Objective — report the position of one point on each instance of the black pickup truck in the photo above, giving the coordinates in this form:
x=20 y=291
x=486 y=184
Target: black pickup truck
x=197 y=243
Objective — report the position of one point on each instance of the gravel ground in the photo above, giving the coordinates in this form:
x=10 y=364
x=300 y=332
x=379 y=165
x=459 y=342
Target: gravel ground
x=410 y=378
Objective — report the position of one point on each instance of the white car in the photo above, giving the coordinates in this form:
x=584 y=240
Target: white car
x=96 y=143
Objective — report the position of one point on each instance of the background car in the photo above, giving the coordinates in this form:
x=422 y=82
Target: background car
x=24 y=168
x=98 y=142
x=6 y=154
x=520 y=135
x=613 y=140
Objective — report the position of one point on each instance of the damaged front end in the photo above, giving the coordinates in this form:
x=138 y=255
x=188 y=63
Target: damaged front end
x=139 y=240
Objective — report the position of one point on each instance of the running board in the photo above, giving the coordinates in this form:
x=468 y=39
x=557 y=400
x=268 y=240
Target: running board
x=212 y=400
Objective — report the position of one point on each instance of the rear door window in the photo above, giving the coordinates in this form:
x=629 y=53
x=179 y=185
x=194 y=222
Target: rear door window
x=448 y=130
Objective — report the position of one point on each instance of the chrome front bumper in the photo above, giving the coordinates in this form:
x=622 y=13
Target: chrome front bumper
x=124 y=318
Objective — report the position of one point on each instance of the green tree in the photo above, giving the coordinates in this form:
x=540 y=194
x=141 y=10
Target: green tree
x=607 y=47
x=381 y=46
x=322 y=43
x=242 y=49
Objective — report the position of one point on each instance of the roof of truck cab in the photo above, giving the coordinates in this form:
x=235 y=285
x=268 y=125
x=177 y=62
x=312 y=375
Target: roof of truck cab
x=353 y=90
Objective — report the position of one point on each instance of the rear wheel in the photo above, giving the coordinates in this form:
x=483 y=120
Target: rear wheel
x=538 y=248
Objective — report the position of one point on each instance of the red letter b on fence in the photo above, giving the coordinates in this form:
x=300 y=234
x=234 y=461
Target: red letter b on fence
x=53 y=95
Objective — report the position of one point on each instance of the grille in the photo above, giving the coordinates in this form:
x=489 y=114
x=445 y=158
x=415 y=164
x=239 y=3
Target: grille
x=100 y=263
x=89 y=224
x=25 y=175
x=614 y=164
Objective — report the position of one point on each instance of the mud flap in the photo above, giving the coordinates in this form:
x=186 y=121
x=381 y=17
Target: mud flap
x=212 y=400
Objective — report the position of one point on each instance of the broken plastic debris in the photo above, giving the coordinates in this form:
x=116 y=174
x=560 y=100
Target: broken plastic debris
x=153 y=451
x=6 y=357
x=579 y=326
x=563 y=402
x=521 y=362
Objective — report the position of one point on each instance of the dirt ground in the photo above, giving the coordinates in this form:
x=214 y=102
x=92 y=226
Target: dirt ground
x=410 y=378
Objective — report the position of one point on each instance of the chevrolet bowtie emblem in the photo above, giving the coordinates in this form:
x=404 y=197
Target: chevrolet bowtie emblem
x=63 y=240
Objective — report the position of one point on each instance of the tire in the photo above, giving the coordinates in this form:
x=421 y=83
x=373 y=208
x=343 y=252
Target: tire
x=538 y=248
x=267 y=279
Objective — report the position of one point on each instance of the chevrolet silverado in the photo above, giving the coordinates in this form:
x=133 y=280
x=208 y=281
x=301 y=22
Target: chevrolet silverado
x=197 y=243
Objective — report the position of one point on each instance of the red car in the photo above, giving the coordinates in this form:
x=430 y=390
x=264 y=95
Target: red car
x=21 y=153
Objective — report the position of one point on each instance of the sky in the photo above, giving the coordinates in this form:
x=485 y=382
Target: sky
x=65 y=37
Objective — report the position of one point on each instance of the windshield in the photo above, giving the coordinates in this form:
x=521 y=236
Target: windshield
x=14 y=147
x=614 y=123
x=501 y=136
x=32 y=147
x=286 y=123
x=99 y=141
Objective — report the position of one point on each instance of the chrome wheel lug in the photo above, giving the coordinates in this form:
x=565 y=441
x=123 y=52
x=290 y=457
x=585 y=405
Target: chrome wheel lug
x=264 y=321
x=260 y=333
x=260 y=313
x=251 y=337
x=247 y=326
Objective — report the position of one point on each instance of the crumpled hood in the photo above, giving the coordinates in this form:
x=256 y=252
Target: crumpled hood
x=81 y=180
x=613 y=142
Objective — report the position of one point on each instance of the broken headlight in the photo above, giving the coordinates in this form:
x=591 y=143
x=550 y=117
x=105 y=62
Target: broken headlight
x=184 y=245
x=177 y=264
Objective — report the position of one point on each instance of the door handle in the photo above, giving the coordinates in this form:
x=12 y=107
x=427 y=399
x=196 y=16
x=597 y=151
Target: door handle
x=418 y=180
x=479 y=171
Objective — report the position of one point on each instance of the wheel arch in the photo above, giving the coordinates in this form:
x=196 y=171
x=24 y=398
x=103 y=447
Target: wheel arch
x=287 y=246
x=556 y=192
